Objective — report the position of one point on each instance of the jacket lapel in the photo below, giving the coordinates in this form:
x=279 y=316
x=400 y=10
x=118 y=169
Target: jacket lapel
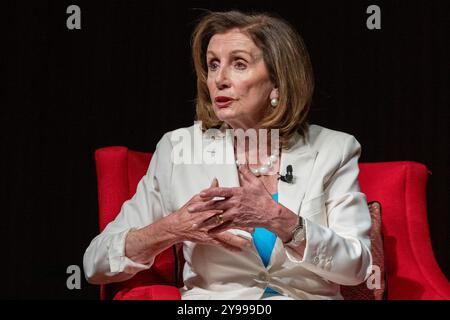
x=302 y=159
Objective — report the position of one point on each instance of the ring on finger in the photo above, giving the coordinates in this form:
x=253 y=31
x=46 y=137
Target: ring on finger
x=219 y=218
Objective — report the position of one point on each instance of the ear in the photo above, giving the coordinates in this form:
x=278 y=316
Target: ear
x=274 y=93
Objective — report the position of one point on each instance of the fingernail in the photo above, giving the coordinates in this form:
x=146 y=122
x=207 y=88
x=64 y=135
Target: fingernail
x=190 y=209
x=202 y=194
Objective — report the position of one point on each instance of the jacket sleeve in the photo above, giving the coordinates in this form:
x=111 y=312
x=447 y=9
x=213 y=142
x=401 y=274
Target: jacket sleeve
x=104 y=260
x=340 y=251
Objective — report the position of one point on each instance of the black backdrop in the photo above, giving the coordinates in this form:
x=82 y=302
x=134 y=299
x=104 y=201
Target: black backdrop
x=126 y=78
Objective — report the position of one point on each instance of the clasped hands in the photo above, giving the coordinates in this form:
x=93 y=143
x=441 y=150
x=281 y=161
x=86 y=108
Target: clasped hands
x=204 y=219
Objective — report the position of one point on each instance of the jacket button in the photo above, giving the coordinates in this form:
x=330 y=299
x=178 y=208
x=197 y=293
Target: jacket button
x=263 y=277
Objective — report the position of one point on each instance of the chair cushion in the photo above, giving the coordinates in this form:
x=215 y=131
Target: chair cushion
x=361 y=291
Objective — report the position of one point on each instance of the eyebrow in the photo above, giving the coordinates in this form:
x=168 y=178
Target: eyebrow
x=233 y=52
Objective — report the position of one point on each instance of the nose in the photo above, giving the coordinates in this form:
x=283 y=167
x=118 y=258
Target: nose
x=222 y=80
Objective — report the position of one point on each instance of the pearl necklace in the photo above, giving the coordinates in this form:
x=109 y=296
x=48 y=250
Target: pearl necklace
x=265 y=168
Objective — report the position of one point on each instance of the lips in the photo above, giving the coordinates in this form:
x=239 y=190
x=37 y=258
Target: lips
x=223 y=101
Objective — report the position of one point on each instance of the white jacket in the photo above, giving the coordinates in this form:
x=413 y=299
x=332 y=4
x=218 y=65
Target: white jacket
x=325 y=192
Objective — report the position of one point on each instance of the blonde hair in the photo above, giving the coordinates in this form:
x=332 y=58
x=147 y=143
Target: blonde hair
x=285 y=56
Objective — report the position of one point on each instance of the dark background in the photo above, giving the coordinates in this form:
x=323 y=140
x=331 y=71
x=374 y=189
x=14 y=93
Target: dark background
x=126 y=78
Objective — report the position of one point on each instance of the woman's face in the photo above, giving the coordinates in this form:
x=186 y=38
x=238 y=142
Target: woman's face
x=238 y=80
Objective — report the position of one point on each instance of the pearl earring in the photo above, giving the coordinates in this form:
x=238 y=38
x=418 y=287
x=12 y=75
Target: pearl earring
x=274 y=102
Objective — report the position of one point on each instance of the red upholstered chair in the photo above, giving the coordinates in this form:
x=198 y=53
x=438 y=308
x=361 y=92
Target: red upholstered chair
x=118 y=173
x=400 y=188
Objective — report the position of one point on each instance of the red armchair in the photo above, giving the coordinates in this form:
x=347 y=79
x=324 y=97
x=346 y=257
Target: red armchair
x=400 y=187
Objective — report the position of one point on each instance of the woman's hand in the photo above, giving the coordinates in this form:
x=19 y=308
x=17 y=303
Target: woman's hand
x=189 y=225
x=248 y=206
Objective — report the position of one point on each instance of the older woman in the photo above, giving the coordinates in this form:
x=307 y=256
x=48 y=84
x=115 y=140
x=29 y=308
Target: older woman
x=289 y=223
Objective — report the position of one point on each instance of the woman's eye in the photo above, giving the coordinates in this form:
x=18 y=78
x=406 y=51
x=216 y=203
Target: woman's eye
x=240 y=65
x=212 y=66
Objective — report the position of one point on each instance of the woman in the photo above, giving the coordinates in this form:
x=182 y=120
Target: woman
x=291 y=224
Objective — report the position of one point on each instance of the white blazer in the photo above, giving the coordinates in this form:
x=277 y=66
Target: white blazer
x=325 y=192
